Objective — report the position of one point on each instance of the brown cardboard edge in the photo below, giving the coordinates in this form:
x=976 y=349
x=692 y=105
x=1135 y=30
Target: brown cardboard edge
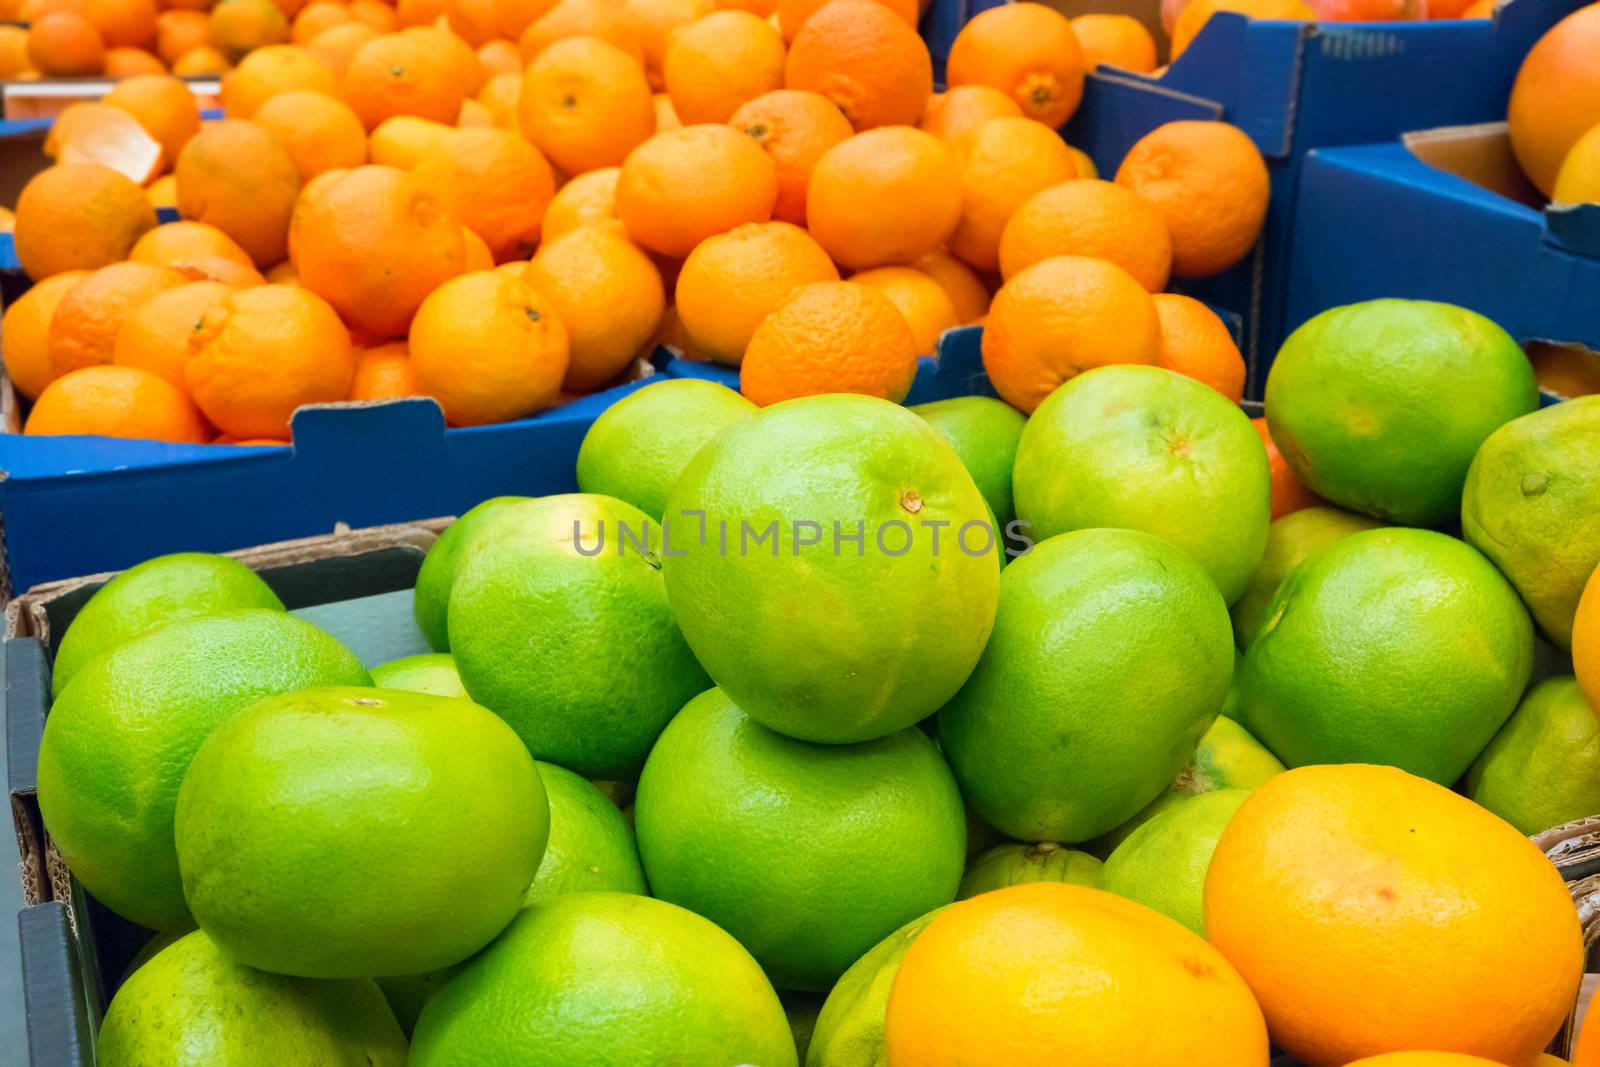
x=1479 y=153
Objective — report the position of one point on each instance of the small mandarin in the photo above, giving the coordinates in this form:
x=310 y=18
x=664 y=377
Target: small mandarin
x=1027 y=51
x=263 y=74
x=685 y=185
x=1115 y=40
x=174 y=243
x=116 y=402
x=26 y=329
x=1089 y=217
x=795 y=128
x=792 y=14
x=955 y=115
x=406 y=140
x=83 y=329
x=239 y=177
x=1008 y=161
x=923 y=303
x=384 y=373
x=890 y=195
x=866 y=59
x=319 y=131
x=403 y=74
x=163 y=105
x=656 y=21
x=155 y=337
x=830 y=337
x=968 y=295
x=590 y=197
x=497 y=184
x=719 y=62
x=598 y=19
x=78 y=216
x=585 y=104
x=1195 y=342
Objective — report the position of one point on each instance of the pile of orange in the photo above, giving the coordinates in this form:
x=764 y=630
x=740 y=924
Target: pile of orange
x=496 y=204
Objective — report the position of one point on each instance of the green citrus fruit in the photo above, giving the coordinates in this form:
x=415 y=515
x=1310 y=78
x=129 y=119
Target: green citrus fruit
x=1016 y=863
x=569 y=639
x=192 y=1005
x=1143 y=448
x=432 y=672
x=1379 y=406
x=120 y=736
x=1399 y=647
x=340 y=832
x=606 y=978
x=984 y=432
x=1110 y=657
x=591 y=845
x=849 y=1030
x=808 y=854
x=1163 y=863
x=408 y=994
x=157 y=591
x=431 y=603
x=638 y=447
x=1532 y=504
x=813 y=634
x=1543 y=768
x=1295 y=537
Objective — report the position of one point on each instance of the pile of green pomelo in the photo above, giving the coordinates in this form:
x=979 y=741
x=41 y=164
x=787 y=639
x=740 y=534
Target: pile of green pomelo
x=698 y=741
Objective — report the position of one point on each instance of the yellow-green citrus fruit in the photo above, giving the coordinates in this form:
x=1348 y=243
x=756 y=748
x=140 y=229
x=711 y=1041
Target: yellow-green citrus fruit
x=606 y=978
x=345 y=832
x=157 y=591
x=868 y=527
x=984 y=432
x=1143 y=448
x=1543 y=768
x=192 y=1005
x=591 y=845
x=638 y=447
x=432 y=672
x=431 y=604
x=849 y=1030
x=1399 y=647
x=120 y=736
x=1163 y=863
x=1295 y=537
x=559 y=624
x=1110 y=657
x=1016 y=863
x=1532 y=505
x=808 y=854
x=1380 y=406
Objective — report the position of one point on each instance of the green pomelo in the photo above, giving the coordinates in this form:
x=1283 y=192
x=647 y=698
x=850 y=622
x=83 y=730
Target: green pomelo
x=1532 y=505
x=1398 y=647
x=815 y=635
x=1110 y=657
x=808 y=854
x=1295 y=537
x=849 y=1030
x=1143 y=448
x=431 y=603
x=155 y=592
x=1163 y=863
x=1380 y=406
x=984 y=432
x=1018 y=864
x=121 y=735
x=606 y=978
x=1543 y=768
x=560 y=625
x=192 y=1005
x=591 y=845
x=433 y=673
x=639 y=446
x=342 y=832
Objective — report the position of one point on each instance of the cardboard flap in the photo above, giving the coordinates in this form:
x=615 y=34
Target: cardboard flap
x=60 y=1029
x=1126 y=107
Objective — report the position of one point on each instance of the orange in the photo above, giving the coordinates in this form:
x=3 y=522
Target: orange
x=1027 y=51
x=260 y=353
x=475 y=253
x=719 y=62
x=339 y=44
x=1585 y=649
x=290 y=8
x=512 y=17
x=220 y=269
x=66 y=45
x=131 y=63
x=163 y=192
x=656 y=20
x=1047 y=973
x=497 y=184
x=1194 y=341
x=795 y=128
x=26 y=329
x=384 y=373
x=1089 y=217
x=1195 y=14
x=792 y=14
x=764 y=8
x=14 y=52
x=1478 y=9
x=500 y=94
x=1063 y=316
x=732 y=281
x=123 y=23
x=590 y=197
x=666 y=115
x=1586 y=1050
x=830 y=337
x=83 y=330
x=319 y=131
x=403 y=74
x=380 y=16
x=239 y=177
x=317 y=16
x=864 y=58
x=969 y=297
x=1556 y=97
x=199 y=62
x=1361 y=869
x=239 y=27
x=163 y=105
x=78 y=216
x=373 y=242
x=405 y=140
x=956 y=115
x=176 y=243
x=474 y=21
x=585 y=104
x=155 y=337
x=179 y=32
x=283 y=274
x=1115 y=40
x=473 y=114
x=890 y=195
x=499 y=57
x=419 y=12
x=116 y=402
x=97 y=133
x=488 y=347
x=1289 y=493
x=1210 y=183
x=608 y=295
x=600 y=19
x=1008 y=161
x=1429 y=1059
x=685 y=185
x=923 y=303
